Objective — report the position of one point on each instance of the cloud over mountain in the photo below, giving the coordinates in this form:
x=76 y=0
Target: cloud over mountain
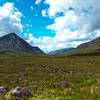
x=75 y=22
x=10 y=19
x=77 y=16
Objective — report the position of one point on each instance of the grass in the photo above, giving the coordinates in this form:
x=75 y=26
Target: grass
x=44 y=74
x=17 y=52
x=90 y=51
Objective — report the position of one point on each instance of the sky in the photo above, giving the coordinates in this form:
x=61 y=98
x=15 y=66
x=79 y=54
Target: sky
x=51 y=24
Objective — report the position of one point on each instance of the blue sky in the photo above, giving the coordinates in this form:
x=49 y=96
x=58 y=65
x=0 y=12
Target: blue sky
x=51 y=24
x=32 y=17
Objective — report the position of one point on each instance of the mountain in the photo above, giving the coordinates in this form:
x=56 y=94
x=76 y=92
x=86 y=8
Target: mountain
x=93 y=43
x=91 y=48
x=62 y=51
x=11 y=44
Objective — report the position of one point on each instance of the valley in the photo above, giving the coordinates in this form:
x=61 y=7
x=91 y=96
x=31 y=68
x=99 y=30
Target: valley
x=49 y=49
x=43 y=76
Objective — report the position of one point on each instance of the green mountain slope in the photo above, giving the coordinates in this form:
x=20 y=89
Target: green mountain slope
x=91 y=48
x=11 y=44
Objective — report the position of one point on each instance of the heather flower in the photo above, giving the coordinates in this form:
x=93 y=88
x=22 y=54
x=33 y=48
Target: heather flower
x=19 y=92
x=25 y=91
x=3 y=90
x=64 y=83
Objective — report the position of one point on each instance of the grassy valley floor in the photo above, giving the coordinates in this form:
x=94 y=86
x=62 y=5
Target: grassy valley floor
x=43 y=76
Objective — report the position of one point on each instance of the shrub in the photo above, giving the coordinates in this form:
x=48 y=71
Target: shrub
x=3 y=90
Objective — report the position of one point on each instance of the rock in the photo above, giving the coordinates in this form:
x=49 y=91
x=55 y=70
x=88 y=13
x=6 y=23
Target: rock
x=45 y=67
x=71 y=71
x=16 y=92
x=22 y=76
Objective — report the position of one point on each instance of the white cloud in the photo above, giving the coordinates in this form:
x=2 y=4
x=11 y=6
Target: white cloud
x=41 y=42
x=86 y=11
x=47 y=43
x=75 y=22
x=38 y=2
x=44 y=13
x=10 y=19
x=57 y=6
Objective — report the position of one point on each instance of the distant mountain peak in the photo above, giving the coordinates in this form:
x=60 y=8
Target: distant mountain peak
x=12 y=34
x=62 y=51
x=13 y=41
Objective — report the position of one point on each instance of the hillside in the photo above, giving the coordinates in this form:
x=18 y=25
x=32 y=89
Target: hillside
x=11 y=44
x=44 y=74
x=93 y=43
x=91 y=48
